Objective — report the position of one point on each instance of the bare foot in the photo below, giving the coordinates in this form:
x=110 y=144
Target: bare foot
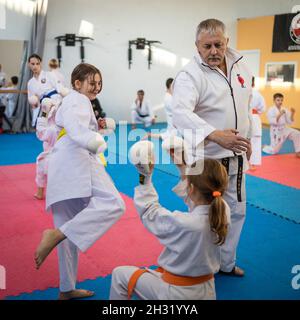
x=235 y=272
x=39 y=194
x=75 y=294
x=252 y=167
x=298 y=154
x=50 y=239
x=38 y=197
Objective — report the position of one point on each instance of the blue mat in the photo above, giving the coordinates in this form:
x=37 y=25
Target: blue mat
x=269 y=245
x=19 y=148
x=274 y=197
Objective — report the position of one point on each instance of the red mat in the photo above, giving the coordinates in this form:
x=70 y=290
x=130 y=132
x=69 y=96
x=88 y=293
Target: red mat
x=283 y=169
x=22 y=220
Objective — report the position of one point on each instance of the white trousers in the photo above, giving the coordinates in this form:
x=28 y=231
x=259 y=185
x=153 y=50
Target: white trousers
x=255 y=158
x=35 y=113
x=150 y=286
x=237 y=214
x=136 y=118
x=83 y=221
x=278 y=137
x=42 y=169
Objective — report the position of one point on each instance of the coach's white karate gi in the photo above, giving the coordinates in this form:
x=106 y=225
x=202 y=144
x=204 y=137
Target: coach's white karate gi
x=205 y=100
x=258 y=106
x=82 y=196
x=189 y=250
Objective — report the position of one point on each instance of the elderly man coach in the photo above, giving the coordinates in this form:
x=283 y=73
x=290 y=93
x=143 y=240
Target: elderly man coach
x=212 y=94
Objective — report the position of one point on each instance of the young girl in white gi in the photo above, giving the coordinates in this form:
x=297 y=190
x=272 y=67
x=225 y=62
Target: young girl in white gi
x=46 y=131
x=279 y=118
x=43 y=84
x=192 y=240
x=82 y=196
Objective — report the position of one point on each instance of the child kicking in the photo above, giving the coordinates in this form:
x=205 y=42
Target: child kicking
x=84 y=200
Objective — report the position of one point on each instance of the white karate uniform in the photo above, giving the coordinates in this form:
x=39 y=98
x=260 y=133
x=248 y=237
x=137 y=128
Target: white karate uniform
x=171 y=131
x=41 y=86
x=46 y=131
x=82 y=196
x=279 y=132
x=2 y=79
x=142 y=114
x=257 y=104
x=189 y=250
x=205 y=100
x=58 y=76
x=9 y=100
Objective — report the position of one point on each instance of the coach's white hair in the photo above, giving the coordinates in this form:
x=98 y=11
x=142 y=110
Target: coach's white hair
x=211 y=26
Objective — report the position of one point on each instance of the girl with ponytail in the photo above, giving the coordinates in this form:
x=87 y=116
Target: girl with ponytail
x=208 y=188
x=191 y=240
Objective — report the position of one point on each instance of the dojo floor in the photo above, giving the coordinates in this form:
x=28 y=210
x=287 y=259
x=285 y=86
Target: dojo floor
x=268 y=249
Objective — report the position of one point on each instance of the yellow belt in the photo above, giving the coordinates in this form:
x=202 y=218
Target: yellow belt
x=101 y=155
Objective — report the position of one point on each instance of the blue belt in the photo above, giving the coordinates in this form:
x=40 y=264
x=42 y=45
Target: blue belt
x=48 y=95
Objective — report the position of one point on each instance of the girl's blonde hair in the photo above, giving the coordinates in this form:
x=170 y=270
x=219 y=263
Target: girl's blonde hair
x=211 y=184
x=53 y=63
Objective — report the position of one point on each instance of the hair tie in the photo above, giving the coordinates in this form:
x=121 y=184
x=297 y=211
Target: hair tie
x=216 y=194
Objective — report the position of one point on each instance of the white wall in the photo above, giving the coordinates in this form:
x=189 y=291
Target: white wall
x=10 y=57
x=117 y=21
x=17 y=19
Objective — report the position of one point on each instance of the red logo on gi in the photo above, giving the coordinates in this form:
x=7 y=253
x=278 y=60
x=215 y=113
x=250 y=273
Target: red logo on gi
x=241 y=80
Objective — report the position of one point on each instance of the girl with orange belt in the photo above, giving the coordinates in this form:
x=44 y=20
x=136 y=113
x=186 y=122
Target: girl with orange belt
x=191 y=239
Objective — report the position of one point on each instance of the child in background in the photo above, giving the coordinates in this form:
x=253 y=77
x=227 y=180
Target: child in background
x=279 y=117
x=191 y=239
x=258 y=106
x=55 y=71
x=84 y=201
x=46 y=131
x=10 y=99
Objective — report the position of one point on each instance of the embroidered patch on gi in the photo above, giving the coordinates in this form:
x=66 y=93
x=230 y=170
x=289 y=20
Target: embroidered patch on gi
x=241 y=80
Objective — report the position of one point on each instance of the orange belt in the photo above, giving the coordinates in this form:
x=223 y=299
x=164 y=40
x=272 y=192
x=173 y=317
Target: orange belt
x=168 y=277
x=254 y=111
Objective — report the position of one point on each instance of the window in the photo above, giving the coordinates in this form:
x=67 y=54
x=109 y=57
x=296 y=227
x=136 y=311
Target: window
x=281 y=73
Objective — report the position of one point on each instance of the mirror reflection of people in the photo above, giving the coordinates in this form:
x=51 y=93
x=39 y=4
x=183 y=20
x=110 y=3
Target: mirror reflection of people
x=9 y=99
x=2 y=77
x=141 y=111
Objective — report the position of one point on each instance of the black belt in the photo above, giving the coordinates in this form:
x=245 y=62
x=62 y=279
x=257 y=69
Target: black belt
x=225 y=162
x=143 y=116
